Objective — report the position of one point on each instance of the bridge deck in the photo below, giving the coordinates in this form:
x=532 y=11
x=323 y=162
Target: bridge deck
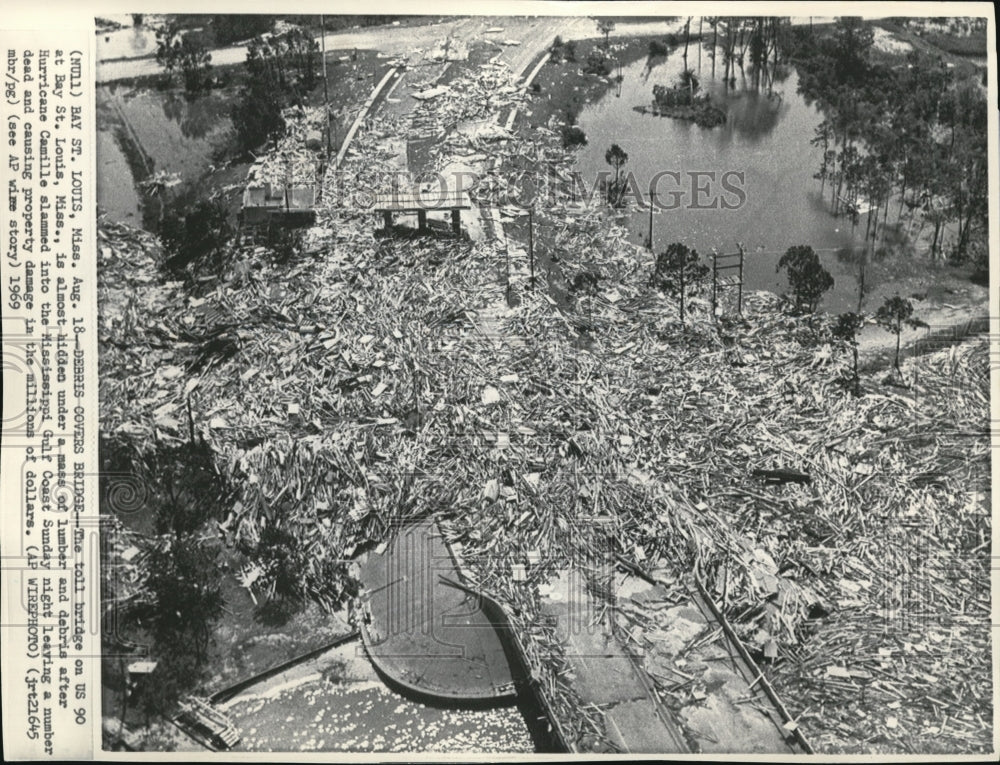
x=425 y=635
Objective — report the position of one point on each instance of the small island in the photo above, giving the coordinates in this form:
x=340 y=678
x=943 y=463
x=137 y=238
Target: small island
x=684 y=101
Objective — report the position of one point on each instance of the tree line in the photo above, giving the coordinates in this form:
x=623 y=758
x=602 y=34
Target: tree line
x=906 y=135
x=753 y=43
x=679 y=272
x=280 y=69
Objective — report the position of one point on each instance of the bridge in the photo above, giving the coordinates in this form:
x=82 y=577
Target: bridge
x=427 y=636
x=431 y=632
x=418 y=200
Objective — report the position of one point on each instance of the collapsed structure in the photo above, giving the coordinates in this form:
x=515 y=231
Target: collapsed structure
x=370 y=382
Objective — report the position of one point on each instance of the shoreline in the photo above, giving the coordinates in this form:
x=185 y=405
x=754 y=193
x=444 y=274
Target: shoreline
x=957 y=309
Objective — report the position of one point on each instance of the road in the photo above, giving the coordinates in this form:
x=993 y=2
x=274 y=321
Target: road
x=533 y=33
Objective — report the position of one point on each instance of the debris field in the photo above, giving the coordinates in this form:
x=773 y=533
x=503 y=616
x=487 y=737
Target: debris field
x=372 y=380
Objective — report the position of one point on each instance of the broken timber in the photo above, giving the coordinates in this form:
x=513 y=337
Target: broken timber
x=781 y=475
x=393 y=76
x=739 y=711
x=206 y=724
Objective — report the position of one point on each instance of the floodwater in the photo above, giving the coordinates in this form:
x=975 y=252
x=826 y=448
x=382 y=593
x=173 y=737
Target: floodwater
x=117 y=193
x=766 y=137
x=142 y=132
x=130 y=41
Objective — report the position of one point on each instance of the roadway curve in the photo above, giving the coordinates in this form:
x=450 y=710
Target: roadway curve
x=535 y=34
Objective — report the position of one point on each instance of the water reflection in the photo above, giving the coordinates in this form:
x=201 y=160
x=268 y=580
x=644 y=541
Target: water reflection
x=197 y=116
x=173 y=107
x=766 y=137
x=752 y=114
x=145 y=132
x=129 y=42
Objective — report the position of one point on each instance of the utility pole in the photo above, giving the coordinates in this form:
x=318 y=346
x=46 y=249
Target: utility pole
x=507 y=258
x=715 y=283
x=326 y=95
x=288 y=179
x=739 y=293
x=651 y=195
x=683 y=266
x=531 y=245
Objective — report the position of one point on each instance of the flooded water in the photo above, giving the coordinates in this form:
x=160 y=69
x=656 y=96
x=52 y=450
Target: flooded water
x=144 y=132
x=117 y=193
x=130 y=41
x=766 y=137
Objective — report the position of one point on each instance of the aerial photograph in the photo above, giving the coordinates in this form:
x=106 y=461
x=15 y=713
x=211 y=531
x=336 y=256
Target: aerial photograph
x=500 y=385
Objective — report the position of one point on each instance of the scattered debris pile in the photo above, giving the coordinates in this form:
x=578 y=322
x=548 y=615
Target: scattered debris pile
x=295 y=160
x=473 y=100
x=359 y=389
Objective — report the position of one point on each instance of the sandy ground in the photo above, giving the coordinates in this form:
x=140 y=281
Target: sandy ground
x=336 y=703
x=946 y=316
x=942 y=297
